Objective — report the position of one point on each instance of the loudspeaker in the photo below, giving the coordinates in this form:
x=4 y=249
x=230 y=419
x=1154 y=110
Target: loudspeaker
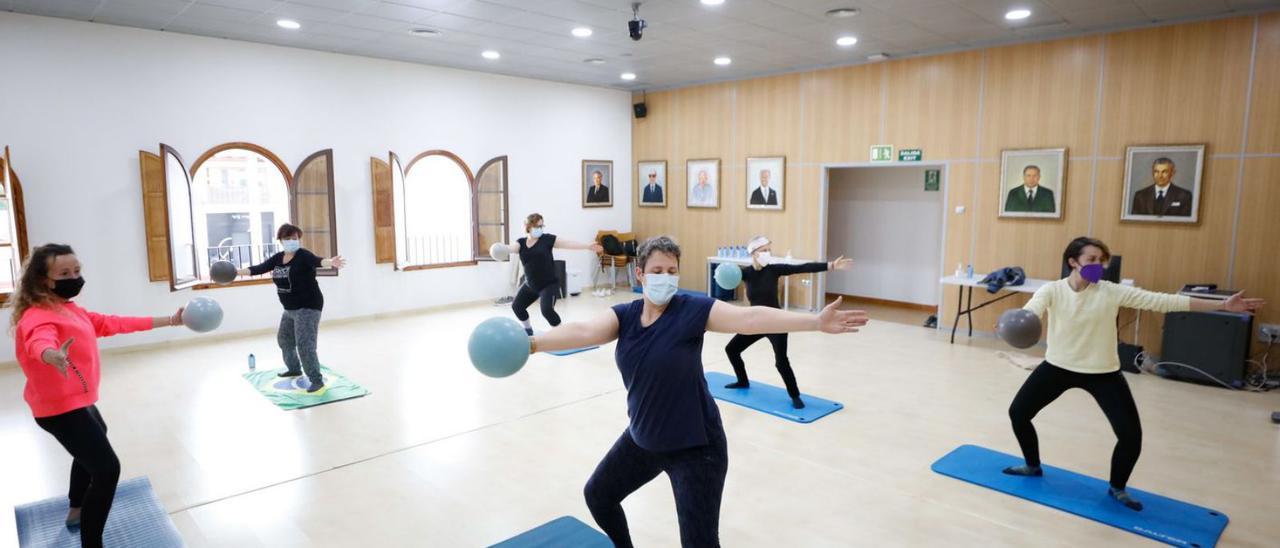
x=1215 y=342
x=640 y=109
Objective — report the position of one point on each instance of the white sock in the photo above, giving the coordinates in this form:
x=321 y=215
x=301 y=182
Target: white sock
x=526 y=324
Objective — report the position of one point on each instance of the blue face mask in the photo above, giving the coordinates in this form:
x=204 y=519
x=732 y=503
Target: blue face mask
x=659 y=288
x=292 y=246
x=536 y=232
x=1092 y=272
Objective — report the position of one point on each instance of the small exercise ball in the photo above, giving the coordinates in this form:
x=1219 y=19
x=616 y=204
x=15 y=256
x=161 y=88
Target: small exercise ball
x=499 y=251
x=1019 y=327
x=728 y=276
x=222 y=272
x=202 y=315
x=498 y=347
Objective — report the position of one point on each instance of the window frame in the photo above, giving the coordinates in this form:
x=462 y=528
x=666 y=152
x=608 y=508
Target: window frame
x=483 y=254
x=475 y=227
x=18 y=214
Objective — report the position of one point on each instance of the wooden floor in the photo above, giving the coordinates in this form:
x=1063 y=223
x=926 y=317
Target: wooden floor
x=439 y=455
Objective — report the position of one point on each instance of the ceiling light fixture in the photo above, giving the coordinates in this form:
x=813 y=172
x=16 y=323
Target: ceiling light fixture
x=712 y=2
x=288 y=24
x=841 y=13
x=1018 y=14
x=581 y=32
x=846 y=41
x=628 y=76
x=722 y=61
x=490 y=54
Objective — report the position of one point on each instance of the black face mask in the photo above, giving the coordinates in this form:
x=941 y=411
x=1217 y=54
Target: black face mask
x=68 y=288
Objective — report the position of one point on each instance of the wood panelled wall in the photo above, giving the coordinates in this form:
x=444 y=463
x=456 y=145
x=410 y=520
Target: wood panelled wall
x=1212 y=82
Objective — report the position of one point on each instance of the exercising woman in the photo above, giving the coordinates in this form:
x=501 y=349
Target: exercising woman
x=55 y=337
x=540 y=270
x=674 y=424
x=1082 y=354
x=294 y=273
x=761 y=279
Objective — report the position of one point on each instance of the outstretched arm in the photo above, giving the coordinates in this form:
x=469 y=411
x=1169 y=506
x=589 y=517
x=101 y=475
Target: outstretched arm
x=566 y=336
x=570 y=244
x=1236 y=303
x=759 y=320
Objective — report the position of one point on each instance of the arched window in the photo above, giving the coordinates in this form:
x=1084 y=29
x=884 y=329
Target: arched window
x=13 y=228
x=492 y=219
x=239 y=196
x=229 y=206
x=435 y=220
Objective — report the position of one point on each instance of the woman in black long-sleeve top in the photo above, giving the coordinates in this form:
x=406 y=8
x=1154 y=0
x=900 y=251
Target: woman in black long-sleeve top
x=761 y=279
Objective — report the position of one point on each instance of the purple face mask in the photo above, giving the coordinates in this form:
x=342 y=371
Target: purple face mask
x=1092 y=272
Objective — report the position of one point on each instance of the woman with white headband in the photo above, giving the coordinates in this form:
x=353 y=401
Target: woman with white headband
x=761 y=279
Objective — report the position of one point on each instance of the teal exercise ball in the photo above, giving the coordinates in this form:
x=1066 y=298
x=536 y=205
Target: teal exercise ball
x=728 y=276
x=498 y=347
x=1019 y=327
x=202 y=315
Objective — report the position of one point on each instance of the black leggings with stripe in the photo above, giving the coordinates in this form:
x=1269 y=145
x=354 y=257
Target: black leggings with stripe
x=95 y=470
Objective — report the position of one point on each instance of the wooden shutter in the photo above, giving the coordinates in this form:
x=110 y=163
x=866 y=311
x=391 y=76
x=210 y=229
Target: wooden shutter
x=313 y=207
x=384 y=221
x=180 y=238
x=491 y=206
x=154 y=217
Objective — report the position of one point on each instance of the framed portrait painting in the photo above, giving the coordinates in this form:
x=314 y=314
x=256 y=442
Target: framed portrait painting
x=766 y=182
x=597 y=183
x=1162 y=183
x=703 y=180
x=653 y=183
x=1033 y=182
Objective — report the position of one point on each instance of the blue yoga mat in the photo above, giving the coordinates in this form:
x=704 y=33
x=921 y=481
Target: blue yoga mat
x=770 y=399
x=136 y=519
x=1162 y=518
x=572 y=350
x=564 y=531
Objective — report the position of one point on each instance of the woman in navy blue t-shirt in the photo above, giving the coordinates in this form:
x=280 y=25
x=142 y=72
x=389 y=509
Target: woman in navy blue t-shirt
x=675 y=424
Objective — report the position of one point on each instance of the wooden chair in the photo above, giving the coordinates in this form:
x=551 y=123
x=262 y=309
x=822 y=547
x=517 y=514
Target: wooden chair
x=614 y=262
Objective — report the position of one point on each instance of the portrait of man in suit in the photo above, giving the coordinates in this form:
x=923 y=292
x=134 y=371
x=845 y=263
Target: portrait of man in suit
x=1162 y=183
x=597 y=177
x=766 y=182
x=1162 y=198
x=1032 y=182
x=1031 y=197
x=653 y=182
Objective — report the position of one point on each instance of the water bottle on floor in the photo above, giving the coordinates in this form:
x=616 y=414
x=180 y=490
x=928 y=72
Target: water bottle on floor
x=253 y=363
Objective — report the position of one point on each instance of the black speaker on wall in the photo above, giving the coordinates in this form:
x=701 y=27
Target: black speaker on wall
x=640 y=109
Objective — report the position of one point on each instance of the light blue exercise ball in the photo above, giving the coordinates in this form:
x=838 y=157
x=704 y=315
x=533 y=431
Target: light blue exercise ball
x=728 y=276
x=202 y=315
x=498 y=347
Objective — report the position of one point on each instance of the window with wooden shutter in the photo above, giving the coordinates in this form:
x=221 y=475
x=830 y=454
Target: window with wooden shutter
x=384 y=218
x=13 y=228
x=153 y=213
x=492 y=217
x=314 y=207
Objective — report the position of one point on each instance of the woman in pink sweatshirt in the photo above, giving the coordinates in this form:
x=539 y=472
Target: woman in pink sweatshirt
x=57 y=347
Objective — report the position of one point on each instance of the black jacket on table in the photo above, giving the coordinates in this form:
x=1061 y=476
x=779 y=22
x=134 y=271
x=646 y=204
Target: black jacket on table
x=762 y=285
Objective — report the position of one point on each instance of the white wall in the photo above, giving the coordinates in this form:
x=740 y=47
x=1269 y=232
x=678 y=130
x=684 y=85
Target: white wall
x=80 y=99
x=883 y=219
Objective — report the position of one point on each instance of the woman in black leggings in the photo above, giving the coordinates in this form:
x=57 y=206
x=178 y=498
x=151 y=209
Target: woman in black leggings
x=674 y=423
x=1082 y=354
x=540 y=270
x=761 y=279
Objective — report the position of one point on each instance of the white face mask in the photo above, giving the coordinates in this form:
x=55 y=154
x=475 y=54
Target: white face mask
x=536 y=232
x=659 y=288
x=764 y=258
x=292 y=246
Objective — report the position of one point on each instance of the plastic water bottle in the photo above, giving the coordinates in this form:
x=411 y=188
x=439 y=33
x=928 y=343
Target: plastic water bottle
x=253 y=363
x=970 y=272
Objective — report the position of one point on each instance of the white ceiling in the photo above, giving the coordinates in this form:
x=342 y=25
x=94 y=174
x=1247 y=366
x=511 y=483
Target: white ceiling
x=682 y=38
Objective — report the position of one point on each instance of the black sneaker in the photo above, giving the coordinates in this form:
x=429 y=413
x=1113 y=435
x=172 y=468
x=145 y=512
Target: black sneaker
x=287 y=374
x=315 y=387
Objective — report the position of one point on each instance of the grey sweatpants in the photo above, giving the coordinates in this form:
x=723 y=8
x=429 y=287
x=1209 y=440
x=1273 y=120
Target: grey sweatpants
x=297 y=338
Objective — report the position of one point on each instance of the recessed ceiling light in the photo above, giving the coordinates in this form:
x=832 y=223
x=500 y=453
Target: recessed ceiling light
x=288 y=24
x=712 y=2
x=878 y=56
x=594 y=61
x=722 y=61
x=846 y=41
x=628 y=76
x=490 y=54
x=1018 y=14
x=424 y=32
x=842 y=12
x=581 y=32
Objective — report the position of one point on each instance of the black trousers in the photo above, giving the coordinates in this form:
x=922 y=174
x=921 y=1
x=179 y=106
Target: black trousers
x=697 y=480
x=527 y=295
x=739 y=343
x=95 y=470
x=1111 y=392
